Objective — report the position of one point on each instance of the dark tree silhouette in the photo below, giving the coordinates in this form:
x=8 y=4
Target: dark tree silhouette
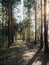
x=10 y=24
x=45 y=28
x=41 y=42
x=2 y=26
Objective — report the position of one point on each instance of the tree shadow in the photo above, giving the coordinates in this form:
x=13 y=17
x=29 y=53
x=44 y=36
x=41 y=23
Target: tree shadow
x=31 y=45
x=34 y=57
x=45 y=58
x=8 y=53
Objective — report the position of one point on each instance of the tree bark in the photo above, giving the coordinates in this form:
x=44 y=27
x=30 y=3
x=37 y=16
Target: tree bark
x=10 y=24
x=35 y=23
x=45 y=28
x=41 y=42
x=2 y=26
x=28 y=31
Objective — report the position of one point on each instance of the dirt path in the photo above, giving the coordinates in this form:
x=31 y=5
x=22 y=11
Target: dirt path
x=28 y=56
x=24 y=55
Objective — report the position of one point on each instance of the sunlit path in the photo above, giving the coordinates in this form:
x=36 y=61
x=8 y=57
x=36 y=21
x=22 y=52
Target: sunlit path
x=26 y=56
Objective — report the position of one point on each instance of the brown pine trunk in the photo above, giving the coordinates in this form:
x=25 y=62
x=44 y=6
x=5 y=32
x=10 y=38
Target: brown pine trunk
x=35 y=22
x=10 y=24
x=28 y=31
x=41 y=42
x=23 y=36
x=45 y=28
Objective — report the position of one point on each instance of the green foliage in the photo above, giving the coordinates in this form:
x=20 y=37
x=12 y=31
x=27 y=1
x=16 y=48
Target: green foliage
x=29 y=3
x=8 y=52
x=22 y=25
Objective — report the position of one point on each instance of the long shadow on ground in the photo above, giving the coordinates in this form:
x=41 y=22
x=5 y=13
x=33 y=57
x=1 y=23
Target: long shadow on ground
x=34 y=57
x=45 y=58
x=31 y=45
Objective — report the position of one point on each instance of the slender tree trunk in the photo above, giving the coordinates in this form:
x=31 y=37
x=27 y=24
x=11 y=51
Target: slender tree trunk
x=45 y=28
x=2 y=26
x=41 y=43
x=23 y=36
x=10 y=24
x=35 y=22
x=28 y=31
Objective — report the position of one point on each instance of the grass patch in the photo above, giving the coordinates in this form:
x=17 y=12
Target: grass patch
x=6 y=53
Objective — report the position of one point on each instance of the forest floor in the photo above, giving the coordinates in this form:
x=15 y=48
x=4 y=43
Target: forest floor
x=24 y=54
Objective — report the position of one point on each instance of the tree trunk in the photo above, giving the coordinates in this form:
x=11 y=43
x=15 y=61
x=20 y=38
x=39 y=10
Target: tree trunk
x=41 y=42
x=35 y=22
x=28 y=31
x=2 y=26
x=10 y=24
x=23 y=36
x=45 y=28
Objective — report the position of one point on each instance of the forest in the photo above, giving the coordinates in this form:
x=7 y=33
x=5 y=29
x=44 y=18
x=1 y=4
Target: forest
x=24 y=32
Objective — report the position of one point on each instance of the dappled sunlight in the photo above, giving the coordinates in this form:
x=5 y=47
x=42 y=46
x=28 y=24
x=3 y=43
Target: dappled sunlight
x=37 y=63
x=28 y=55
x=24 y=32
